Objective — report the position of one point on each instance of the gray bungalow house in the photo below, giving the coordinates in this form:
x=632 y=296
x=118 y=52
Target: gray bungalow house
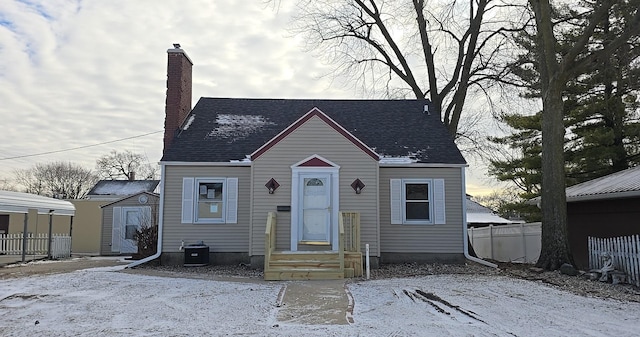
x=302 y=186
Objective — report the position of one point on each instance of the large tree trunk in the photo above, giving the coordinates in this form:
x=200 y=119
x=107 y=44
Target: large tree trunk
x=555 y=240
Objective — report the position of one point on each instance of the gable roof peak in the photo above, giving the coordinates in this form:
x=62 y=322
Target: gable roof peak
x=315 y=112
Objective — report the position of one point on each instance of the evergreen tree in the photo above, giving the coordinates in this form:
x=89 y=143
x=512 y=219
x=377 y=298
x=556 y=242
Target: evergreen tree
x=600 y=115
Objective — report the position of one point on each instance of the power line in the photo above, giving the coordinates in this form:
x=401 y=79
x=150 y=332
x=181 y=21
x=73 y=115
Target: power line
x=81 y=147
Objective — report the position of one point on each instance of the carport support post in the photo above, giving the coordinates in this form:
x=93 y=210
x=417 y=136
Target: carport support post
x=71 y=232
x=24 y=237
x=50 y=233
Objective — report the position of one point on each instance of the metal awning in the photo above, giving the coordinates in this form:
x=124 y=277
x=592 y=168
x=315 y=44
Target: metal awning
x=17 y=202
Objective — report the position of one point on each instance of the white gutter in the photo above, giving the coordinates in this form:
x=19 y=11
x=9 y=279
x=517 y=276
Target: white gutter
x=464 y=227
x=160 y=225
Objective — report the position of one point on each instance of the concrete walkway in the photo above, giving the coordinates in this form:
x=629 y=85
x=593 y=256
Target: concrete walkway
x=318 y=302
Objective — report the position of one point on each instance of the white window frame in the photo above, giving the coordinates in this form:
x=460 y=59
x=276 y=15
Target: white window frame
x=196 y=200
x=190 y=197
x=399 y=202
x=429 y=183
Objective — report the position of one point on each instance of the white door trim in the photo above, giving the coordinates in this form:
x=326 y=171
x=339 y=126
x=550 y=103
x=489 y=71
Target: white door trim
x=334 y=205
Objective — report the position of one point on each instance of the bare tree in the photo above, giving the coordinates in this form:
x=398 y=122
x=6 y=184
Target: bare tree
x=146 y=235
x=125 y=165
x=7 y=185
x=556 y=68
x=448 y=52
x=57 y=179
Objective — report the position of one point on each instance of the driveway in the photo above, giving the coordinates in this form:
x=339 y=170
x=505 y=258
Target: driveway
x=44 y=267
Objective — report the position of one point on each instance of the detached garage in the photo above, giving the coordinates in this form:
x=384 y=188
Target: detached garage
x=605 y=207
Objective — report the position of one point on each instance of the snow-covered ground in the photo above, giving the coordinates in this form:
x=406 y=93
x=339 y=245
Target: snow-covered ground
x=103 y=302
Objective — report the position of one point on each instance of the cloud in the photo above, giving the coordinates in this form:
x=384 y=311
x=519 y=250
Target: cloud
x=76 y=73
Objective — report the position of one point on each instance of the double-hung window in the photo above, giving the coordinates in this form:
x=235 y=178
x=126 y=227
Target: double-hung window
x=417 y=207
x=417 y=201
x=209 y=200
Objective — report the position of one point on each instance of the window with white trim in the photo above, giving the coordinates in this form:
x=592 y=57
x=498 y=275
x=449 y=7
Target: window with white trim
x=209 y=200
x=417 y=201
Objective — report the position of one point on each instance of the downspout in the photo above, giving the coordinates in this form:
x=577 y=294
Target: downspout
x=160 y=225
x=464 y=226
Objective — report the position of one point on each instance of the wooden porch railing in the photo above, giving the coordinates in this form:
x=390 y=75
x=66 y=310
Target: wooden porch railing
x=350 y=253
x=269 y=239
x=300 y=265
x=351 y=223
x=341 y=244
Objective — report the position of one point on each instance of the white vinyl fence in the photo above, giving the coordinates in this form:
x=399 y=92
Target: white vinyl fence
x=12 y=244
x=624 y=252
x=507 y=243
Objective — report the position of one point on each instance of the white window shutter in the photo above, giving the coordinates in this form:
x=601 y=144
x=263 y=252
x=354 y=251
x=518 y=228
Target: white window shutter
x=116 y=230
x=396 y=201
x=187 y=200
x=232 y=200
x=438 y=202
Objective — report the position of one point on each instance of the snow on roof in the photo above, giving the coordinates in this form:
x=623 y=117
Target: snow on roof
x=18 y=202
x=486 y=218
x=477 y=213
x=123 y=187
x=237 y=126
x=189 y=121
x=397 y=160
x=616 y=185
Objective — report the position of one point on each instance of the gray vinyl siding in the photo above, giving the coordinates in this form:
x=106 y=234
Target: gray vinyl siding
x=445 y=238
x=219 y=237
x=107 y=228
x=107 y=219
x=315 y=137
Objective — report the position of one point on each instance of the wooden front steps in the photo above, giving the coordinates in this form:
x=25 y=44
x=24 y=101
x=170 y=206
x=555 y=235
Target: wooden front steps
x=315 y=264
x=307 y=265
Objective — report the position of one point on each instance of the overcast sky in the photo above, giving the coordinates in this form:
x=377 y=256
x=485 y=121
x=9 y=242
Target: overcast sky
x=78 y=73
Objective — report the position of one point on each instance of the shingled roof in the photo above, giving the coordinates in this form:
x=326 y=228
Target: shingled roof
x=230 y=129
x=121 y=188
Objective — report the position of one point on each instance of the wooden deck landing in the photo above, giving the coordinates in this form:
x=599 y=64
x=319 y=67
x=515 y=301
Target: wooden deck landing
x=310 y=265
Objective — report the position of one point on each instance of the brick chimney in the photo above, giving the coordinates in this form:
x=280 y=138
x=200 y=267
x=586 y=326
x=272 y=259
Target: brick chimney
x=178 y=102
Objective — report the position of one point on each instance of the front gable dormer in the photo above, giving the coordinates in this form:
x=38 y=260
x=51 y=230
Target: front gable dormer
x=315 y=113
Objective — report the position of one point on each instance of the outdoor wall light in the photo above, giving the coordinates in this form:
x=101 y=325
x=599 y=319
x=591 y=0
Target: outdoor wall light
x=357 y=186
x=272 y=185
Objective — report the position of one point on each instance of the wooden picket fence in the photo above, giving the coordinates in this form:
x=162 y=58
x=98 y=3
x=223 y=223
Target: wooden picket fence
x=624 y=252
x=37 y=244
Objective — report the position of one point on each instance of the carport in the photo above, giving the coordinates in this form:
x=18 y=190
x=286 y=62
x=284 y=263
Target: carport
x=17 y=202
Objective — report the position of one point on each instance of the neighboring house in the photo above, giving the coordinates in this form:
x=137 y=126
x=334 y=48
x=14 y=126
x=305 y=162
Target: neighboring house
x=121 y=219
x=87 y=236
x=481 y=216
x=604 y=207
x=110 y=190
x=229 y=162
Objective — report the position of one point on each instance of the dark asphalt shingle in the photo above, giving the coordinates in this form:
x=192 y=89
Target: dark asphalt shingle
x=394 y=128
